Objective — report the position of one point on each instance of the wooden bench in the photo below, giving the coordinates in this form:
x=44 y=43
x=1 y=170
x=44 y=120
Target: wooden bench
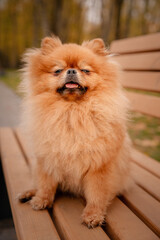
x=133 y=216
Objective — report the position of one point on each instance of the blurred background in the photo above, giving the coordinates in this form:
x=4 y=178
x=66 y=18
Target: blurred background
x=23 y=23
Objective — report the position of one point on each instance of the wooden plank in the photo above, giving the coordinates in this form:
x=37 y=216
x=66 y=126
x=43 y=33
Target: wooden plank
x=67 y=216
x=146 y=104
x=29 y=224
x=149 y=81
x=122 y=224
x=147 y=181
x=144 y=206
x=150 y=42
x=146 y=162
x=139 y=61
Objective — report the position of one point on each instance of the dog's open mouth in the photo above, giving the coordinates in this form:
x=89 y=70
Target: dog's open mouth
x=71 y=87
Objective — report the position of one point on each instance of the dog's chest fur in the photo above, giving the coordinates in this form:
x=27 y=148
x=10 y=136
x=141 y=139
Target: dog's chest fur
x=74 y=140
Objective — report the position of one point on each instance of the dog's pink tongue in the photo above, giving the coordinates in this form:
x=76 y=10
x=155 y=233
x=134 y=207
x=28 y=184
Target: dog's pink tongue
x=71 y=85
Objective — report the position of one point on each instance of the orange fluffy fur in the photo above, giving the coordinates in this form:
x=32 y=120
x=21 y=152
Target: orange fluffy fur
x=80 y=140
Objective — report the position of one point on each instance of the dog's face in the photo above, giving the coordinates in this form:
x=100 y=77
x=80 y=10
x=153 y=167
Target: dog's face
x=70 y=71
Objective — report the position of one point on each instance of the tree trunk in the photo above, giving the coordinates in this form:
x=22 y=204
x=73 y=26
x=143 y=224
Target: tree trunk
x=144 y=20
x=128 y=19
x=106 y=20
x=36 y=22
x=56 y=17
x=118 y=11
x=44 y=17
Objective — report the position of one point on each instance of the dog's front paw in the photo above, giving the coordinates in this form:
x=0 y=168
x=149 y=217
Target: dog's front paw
x=39 y=203
x=26 y=196
x=93 y=217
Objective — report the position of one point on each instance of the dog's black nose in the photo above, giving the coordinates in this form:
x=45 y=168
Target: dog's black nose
x=71 y=71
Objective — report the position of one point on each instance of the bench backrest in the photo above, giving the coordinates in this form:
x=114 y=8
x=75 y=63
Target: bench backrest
x=140 y=60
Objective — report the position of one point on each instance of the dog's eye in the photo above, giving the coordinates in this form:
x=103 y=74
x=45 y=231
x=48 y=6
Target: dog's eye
x=58 y=71
x=85 y=70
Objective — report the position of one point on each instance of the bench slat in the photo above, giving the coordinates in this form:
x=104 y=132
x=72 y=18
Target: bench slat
x=147 y=181
x=136 y=44
x=29 y=224
x=122 y=224
x=145 y=206
x=146 y=104
x=146 y=162
x=149 y=81
x=141 y=61
x=67 y=216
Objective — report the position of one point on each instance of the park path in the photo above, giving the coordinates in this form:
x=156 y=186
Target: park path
x=9 y=107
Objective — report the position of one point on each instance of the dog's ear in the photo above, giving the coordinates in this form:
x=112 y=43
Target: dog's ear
x=97 y=46
x=48 y=44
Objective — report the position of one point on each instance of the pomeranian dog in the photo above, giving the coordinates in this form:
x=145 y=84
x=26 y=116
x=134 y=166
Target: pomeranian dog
x=75 y=113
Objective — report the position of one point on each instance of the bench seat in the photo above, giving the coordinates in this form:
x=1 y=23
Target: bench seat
x=135 y=215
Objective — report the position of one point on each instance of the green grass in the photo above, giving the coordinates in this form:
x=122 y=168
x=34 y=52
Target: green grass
x=144 y=130
x=157 y=94
x=145 y=134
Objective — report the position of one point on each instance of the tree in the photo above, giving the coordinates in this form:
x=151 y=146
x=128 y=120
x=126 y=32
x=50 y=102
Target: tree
x=144 y=17
x=107 y=11
x=118 y=12
x=56 y=17
x=128 y=18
